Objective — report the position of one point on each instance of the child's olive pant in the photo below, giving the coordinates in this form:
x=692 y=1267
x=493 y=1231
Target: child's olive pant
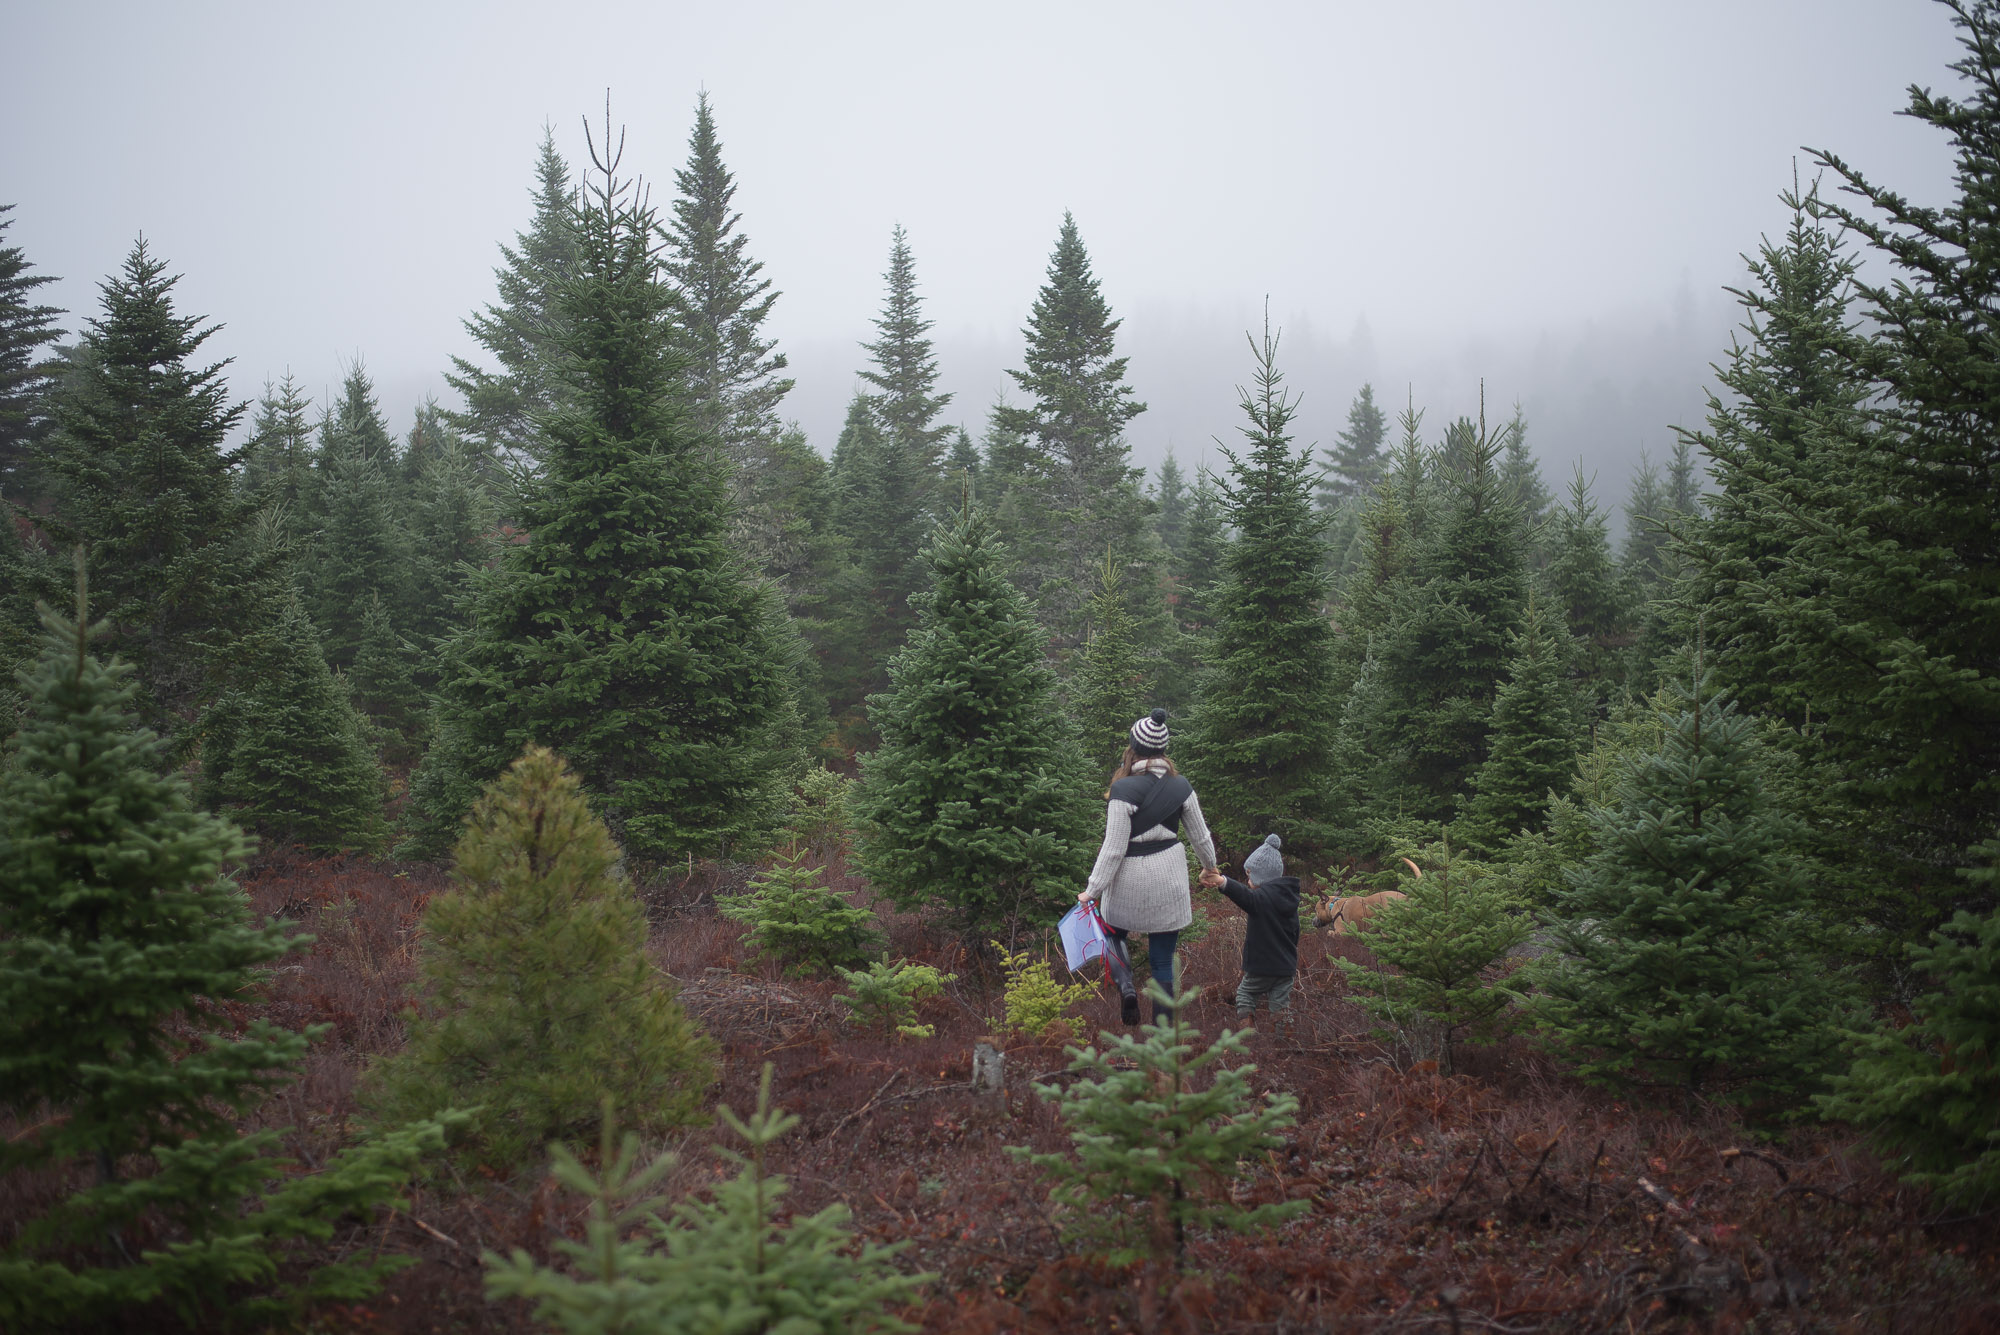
x=1276 y=990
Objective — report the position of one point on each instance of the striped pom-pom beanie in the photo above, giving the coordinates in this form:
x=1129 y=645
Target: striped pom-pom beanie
x=1150 y=732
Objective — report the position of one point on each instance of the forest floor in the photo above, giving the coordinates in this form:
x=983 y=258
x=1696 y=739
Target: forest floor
x=1503 y=1197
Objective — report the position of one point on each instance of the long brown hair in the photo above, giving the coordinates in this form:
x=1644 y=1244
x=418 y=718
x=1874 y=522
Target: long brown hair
x=1131 y=758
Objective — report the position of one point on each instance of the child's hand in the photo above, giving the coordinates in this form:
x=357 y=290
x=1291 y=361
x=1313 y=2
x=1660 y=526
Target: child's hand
x=1212 y=878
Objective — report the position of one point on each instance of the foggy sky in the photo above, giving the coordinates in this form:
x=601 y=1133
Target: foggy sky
x=1546 y=195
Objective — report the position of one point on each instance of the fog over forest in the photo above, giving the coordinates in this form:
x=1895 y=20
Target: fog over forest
x=1551 y=199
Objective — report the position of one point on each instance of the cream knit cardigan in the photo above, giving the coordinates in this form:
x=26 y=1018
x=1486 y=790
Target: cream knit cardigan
x=1150 y=893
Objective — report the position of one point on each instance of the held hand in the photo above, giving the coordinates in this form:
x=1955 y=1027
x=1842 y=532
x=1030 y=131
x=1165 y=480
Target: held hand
x=1212 y=878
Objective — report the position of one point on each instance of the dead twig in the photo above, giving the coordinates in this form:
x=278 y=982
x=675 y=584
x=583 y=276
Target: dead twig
x=1464 y=1182
x=1730 y=1156
x=841 y=1125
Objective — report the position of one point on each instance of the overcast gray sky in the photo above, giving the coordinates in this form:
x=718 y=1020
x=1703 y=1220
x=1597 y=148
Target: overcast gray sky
x=1547 y=194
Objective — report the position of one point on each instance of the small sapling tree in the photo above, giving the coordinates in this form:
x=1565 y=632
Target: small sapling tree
x=1034 y=999
x=726 y=1264
x=886 y=996
x=1159 y=1146
x=1445 y=940
x=811 y=927
x=538 y=999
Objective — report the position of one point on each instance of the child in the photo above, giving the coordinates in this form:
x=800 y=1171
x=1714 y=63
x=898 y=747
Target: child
x=1271 y=940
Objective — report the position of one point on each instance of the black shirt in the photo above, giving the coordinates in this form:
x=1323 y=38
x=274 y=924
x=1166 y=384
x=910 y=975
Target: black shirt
x=1271 y=942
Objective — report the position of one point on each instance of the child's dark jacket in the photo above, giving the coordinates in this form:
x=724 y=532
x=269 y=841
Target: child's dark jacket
x=1271 y=941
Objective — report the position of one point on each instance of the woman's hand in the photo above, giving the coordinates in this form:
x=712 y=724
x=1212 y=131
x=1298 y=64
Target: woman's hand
x=1083 y=897
x=1212 y=878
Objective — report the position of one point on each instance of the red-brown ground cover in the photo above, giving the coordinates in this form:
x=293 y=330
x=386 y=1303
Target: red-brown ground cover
x=1506 y=1197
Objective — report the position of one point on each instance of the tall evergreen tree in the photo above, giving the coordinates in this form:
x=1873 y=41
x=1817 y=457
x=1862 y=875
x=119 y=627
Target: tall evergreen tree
x=1584 y=588
x=625 y=630
x=286 y=755
x=905 y=372
x=1261 y=740
x=882 y=497
x=1110 y=685
x=1444 y=650
x=277 y=467
x=962 y=465
x=1647 y=510
x=978 y=803
x=1355 y=463
x=732 y=375
x=26 y=328
x=1891 y=520
x=120 y=941
x=1170 y=499
x=1532 y=745
x=118 y=922
x=142 y=480
x=1199 y=568
x=453 y=515
x=360 y=551
x=1081 y=493
x=1521 y=475
x=1684 y=959
x=520 y=330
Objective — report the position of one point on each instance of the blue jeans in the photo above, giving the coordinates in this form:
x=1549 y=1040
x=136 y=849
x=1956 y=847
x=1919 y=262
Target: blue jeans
x=1159 y=957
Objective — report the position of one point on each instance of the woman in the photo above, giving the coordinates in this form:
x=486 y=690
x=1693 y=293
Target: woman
x=1140 y=882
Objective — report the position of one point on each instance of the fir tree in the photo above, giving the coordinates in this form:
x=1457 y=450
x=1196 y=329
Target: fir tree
x=1532 y=745
x=118 y=920
x=1444 y=650
x=1583 y=586
x=538 y=1000
x=1929 y=1092
x=625 y=630
x=361 y=549
x=809 y=927
x=728 y=1263
x=1170 y=499
x=382 y=683
x=1081 y=493
x=732 y=373
x=1683 y=960
x=120 y=940
x=453 y=516
x=907 y=402
x=1154 y=1149
x=277 y=468
x=1355 y=463
x=1446 y=939
x=962 y=467
x=1262 y=734
x=522 y=331
x=1521 y=475
x=978 y=802
x=142 y=480
x=1647 y=510
x=881 y=498
x=25 y=376
x=286 y=754
x=1199 y=568
x=1109 y=687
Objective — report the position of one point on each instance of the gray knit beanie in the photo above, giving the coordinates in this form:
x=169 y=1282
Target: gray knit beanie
x=1264 y=862
x=1150 y=732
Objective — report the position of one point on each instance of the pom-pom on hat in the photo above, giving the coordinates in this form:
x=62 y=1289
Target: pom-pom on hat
x=1265 y=862
x=1150 y=732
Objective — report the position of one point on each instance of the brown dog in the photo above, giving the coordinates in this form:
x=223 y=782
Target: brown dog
x=1349 y=913
x=1352 y=912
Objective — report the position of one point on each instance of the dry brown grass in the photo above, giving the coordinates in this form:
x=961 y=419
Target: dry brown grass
x=1504 y=1198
